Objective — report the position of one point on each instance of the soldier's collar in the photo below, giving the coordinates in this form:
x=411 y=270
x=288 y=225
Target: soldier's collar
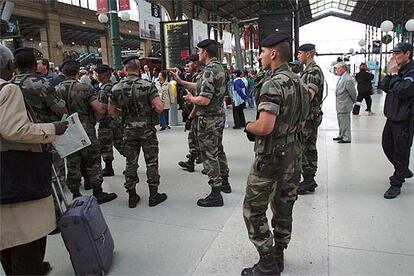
x=27 y=71
x=282 y=67
x=211 y=61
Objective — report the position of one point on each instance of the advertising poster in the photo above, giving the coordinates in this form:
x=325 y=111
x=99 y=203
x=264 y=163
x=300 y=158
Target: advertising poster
x=199 y=32
x=227 y=38
x=149 y=26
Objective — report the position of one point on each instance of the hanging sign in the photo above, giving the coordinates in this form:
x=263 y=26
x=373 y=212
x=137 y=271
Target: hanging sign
x=123 y=5
x=246 y=37
x=102 y=6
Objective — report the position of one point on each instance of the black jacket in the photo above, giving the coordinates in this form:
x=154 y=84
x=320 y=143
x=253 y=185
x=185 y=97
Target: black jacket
x=399 y=103
x=364 y=79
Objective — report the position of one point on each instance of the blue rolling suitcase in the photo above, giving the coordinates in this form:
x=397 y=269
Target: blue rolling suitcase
x=87 y=237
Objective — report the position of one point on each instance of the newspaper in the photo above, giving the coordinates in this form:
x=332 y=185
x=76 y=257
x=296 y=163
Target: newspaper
x=74 y=138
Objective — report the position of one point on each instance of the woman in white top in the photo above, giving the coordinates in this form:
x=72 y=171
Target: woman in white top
x=167 y=97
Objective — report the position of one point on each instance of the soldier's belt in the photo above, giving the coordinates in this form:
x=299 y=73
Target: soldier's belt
x=210 y=115
x=286 y=139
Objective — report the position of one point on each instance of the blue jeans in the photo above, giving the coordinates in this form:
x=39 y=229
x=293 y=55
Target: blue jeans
x=164 y=118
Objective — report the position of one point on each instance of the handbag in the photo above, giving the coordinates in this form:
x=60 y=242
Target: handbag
x=25 y=176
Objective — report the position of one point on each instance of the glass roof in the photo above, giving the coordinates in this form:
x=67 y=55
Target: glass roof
x=320 y=7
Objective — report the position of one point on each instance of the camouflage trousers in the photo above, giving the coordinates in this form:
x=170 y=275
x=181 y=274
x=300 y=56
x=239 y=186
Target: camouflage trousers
x=310 y=152
x=135 y=139
x=210 y=141
x=110 y=133
x=272 y=179
x=192 y=139
x=90 y=157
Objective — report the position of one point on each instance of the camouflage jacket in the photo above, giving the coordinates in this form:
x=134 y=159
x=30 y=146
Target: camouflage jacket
x=40 y=95
x=103 y=97
x=187 y=105
x=134 y=96
x=78 y=97
x=212 y=84
x=313 y=74
x=285 y=96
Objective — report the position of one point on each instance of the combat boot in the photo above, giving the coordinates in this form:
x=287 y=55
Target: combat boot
x=133 y=198
x=156 y=198
x=204 y=171
x=199 y=160
x=103 y=197
x=308 y=185
x=278 y=252
x=75 y=193
x=108 y=170
x=225 y=186
x=214 y=199
x=187 y=165
x=267 y=265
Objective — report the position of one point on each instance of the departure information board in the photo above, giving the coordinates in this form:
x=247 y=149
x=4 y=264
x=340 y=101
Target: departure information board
x=175 y=43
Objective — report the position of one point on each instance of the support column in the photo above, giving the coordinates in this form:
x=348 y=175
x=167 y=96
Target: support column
x=49 y=37
x=106 y=50
x=237 y=47
x=116 y=44
x=178 y=5
x=296 y=27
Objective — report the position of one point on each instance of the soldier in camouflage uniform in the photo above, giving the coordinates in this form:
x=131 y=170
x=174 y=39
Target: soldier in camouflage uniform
x=110 y=131
x=193 y=68
x=210 y=90
x=42 y=98
x=282 y=106
x=313 y=77
x=81 y=98
x=140 y=105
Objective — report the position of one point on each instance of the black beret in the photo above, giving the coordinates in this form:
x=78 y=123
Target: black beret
x=128 y=59
x=192 y=57
x=102 y=68
x=306 y=47
x=69 y=61
x=23 y=49
x=236 y=71
x=206 y=42
x=274 y=39
x=403 y=47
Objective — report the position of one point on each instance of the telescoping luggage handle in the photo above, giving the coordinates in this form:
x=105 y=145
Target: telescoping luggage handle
x=65 y=206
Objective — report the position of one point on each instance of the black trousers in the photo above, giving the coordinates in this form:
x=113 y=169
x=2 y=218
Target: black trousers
x=238 y=116
x=25 y=259
x=396 y=143
x=360 y=97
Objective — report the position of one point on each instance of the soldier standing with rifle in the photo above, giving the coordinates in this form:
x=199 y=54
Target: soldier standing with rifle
x=140 y=105
x=282 y=107
x=208 y=102
x=193 y=68
x=313 y=77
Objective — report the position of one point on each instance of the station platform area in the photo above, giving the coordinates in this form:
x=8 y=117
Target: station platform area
x=345 y=228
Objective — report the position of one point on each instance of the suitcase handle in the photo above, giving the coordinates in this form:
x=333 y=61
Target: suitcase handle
x=77 y=203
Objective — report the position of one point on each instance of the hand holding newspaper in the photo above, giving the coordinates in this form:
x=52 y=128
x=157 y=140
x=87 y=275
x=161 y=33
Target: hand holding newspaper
x=74 y=138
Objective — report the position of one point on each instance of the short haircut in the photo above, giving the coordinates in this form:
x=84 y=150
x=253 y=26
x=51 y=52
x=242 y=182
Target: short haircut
x=133 y=65
x=212 y=50
x=164 y=74
x=284 y=50
x=411 y=54
x=45 y=62
x=5 y=56
x=71 y=68
x=25 y=58
x=342 y=64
